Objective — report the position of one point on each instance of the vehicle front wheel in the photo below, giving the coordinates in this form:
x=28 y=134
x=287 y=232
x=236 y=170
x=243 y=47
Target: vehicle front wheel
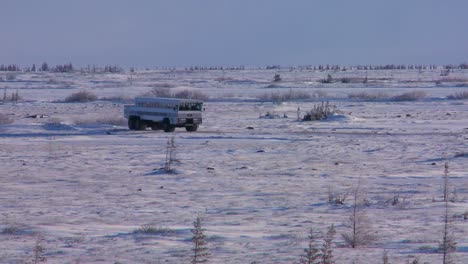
x=192 y=128
x=169 y=128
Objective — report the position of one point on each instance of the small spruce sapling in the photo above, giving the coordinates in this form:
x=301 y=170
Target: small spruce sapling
x=200 y=249
x=448 y=245
x=311 y=253
x=327 y=246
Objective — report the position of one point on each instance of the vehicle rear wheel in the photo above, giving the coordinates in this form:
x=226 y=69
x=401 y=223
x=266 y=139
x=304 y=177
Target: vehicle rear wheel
x=192 y=128
x=131 y=123
x=139 y=124
x=156 y=126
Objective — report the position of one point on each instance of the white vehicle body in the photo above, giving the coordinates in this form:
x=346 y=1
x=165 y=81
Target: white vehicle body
x=164 y=113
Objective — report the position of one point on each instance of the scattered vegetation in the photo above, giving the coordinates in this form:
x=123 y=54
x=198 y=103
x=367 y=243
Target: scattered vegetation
x=284 y=96
x=410 y=96
x=162 y=85
x=458 y=96
x=277 y=78
x=329 y=79
x=369 y=96
x=168 y=93
x=81 y=97
x=10 y=230
x=377 y=96
x=5 y=120
x=13 y=97
x=152 y=230
x=336 y=198
x=190 y=94
x=320 y=112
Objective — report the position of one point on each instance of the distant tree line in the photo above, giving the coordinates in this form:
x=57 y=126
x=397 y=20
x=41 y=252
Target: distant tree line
x=220 y=68
x=322 y=67
x=68 y=67
x=328 y=67
x=11 y=67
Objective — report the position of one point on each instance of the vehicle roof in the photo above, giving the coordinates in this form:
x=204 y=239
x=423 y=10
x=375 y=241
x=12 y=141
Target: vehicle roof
x=166 y=100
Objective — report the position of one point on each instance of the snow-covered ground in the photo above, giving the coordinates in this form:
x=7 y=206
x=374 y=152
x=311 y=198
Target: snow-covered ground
x=259 y=184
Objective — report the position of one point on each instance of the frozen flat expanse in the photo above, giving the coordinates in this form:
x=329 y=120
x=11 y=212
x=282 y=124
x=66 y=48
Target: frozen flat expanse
x=85 y=187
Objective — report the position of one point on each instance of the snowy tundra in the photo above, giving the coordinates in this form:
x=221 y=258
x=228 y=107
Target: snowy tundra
x=77 y=186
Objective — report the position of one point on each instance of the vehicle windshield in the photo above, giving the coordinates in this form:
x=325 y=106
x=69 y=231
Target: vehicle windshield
x=190 y=107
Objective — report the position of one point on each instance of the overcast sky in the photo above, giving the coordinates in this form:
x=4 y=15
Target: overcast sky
x=150 y=33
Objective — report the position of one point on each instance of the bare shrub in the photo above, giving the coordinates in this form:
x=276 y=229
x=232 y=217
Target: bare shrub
x=397 y=200
x=410 y=96
x=320 y=112
x=183 y=94
x=336 y=198
x=5 y=120
x=152 y=230
x=361 y=230
x=162 y=85
x=223 y=79
x=368 y=96
x=458 y=96
x=190 y=94
x=160 y=92
x=277 y=78
x=10 y=230
x=319 y=94
x=115 y=98
x=80 y=97
x=329 y=79
x=452 y=79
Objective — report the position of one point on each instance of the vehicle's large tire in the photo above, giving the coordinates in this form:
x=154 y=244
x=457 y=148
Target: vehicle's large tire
x=131 y=123
x=139 y=124
x=167 y=126
x=156 y=126
x=192 y=128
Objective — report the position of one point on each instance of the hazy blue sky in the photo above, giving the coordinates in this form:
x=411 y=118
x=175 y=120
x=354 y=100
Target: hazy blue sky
x=148 y=33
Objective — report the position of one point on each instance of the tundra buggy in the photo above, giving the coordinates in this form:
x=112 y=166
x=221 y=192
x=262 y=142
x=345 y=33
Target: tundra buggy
x=164 y=113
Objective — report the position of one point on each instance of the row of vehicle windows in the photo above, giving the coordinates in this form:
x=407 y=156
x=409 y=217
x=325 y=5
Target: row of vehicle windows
x=182 y=107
